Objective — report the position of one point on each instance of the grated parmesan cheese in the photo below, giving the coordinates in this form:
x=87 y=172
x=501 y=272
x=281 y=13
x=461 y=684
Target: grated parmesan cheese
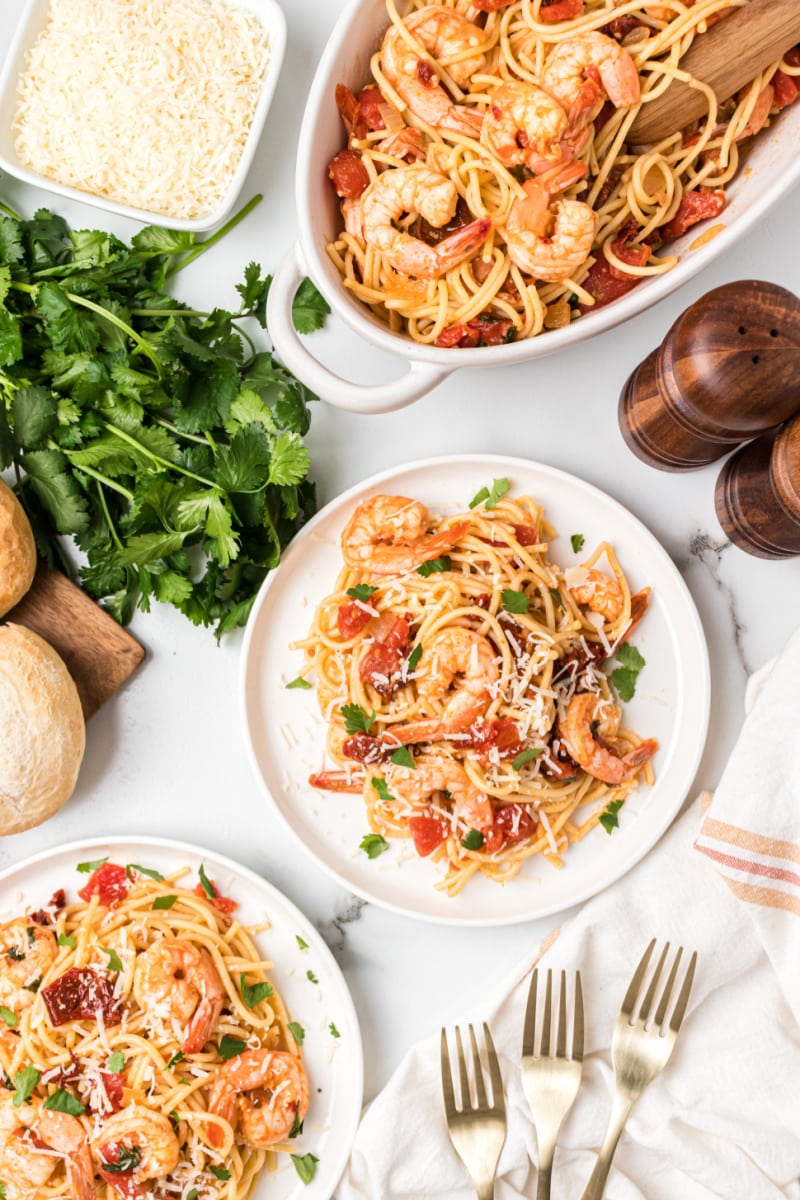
x=143 y=102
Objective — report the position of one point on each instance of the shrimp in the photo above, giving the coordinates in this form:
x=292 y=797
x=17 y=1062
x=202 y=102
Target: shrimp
x=760 y=114
x=449 y=38
x=270 y=1090
x=406 y=143
x=588 y=721
x=585 y=70
x=418 y=189
x=27 y=1162
x=458 y=666
x=441 y=774
x=600 y=592
x=27 y=951
x=549 y=240
x=148 y=1143
x=177 y=981
x=386 y=535
x=525 y=125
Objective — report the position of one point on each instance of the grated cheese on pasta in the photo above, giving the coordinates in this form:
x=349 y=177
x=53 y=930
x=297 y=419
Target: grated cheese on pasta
x=143 y=102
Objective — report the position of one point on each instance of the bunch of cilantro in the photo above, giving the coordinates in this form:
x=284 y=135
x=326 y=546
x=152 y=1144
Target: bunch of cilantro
x=158 y=436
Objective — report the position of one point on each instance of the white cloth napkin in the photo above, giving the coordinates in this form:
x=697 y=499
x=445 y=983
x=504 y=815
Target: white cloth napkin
x=723 y=1120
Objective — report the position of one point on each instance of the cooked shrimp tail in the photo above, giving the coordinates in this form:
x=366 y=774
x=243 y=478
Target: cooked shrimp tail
x=548 y=241
x=266 y=1090
x=588 y=723
x=451 y=40
x=388 y=535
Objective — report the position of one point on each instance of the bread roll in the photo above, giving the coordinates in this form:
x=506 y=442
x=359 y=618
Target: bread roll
x=42 y=733
x=17 y=550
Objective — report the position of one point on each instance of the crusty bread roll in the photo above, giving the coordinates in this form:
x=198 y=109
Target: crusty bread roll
x=17 y=550
x=42 y=733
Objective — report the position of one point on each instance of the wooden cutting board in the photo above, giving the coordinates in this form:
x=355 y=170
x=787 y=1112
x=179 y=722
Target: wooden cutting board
x=99 y=654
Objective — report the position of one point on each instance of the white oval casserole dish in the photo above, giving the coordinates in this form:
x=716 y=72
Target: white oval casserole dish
x=772 y=167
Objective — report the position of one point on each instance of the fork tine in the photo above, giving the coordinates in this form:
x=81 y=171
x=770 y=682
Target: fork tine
x=647 y=1003
x=498 y=1101
x=683 y=996
x=480 y=1087
x=447 y=1078
x=577 y=1027
x=530 y=1015
x=463 y=1079
x=663 y=1003
x=548 y=996
x=561 y=1035
x=636 y=982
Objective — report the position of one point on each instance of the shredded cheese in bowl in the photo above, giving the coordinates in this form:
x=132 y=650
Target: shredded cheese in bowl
x=143 y=102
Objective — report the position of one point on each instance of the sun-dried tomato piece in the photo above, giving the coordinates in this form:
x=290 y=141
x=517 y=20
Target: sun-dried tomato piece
x=500 y=734
x=46 y=915
x=480 y=331
x=366 y=748
x=512 y=823
x=80 y=994
x=560 y=10
x=110 y=882
x=695 y=206
x=381 y=662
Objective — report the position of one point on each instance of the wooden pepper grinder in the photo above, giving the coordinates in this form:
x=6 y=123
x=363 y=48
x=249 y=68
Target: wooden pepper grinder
x=728 y=370
x=758 y=494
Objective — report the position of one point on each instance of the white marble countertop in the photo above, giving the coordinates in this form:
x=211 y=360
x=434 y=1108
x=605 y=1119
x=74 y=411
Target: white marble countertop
x=166 y=756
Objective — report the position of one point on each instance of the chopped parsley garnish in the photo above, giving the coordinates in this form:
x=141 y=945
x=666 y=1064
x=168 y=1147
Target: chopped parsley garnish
x=10 y=1018
x=299 y=683
x=609 y=819
x=63 y=1101
x=86 y=868
x=229 y=1047
x=128 y=1159
x=177 y=1057
x=15 y=954
x=334 y=1032
x=403 y=757
x=577 y=541
x=301 y=942
x=206 y=883
x=116 y=1062
x=193 y=1194
x=490 y=495
x=383 y=791
x=253 y=993
x=625 y=676
x=435 y=566
x=473 y=840
x=526 y=756
x=31 y=932
x=305 y=1165
x=2 y=1191
x=361 y=591
x=164 y=901
x=66 y=939
x=311 y=977
x=25 y=1081
x=297 y=1032
x=355 y=719
x=114 y=960
x=34 y=985
x=220 y=1172
x=555 y=596
x=514 y=602
x=413 y=659
x=297 y=1124
x=148 y=871
x=373 y=844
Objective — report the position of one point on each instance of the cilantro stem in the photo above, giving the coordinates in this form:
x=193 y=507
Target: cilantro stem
x=9 y=211
x=156 y=458
x=112 y=483
x=201 y=247
x=168 y=312
x=189 y=437
x=144 y=346
x=111 y=527
x=30 y=288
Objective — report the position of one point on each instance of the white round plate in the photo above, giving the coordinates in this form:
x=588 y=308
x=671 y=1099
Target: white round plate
x=286 y=733
x=334 y=1065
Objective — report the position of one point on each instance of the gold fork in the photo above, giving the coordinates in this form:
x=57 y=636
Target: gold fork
x=550 y=1082
x=477 y=1130
x=639 y=1050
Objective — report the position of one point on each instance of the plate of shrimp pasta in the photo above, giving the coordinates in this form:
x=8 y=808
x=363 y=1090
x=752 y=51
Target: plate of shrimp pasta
x=171 y=1027
x=476 y=690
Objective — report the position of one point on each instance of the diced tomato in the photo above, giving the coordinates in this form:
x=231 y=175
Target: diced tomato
x=695 y=206
x=512 y=823
x=123 y=1182
x=428 y=833
x=480 y=331
x=560 y=10
x=381 y=661
x=606 y=282
x=80 y=994
x=222 y=904
x=348 y=174
x=500 y=734
x=526 y=535
x=113 y=1083
x=351 y=619
x=110 y=882
x=370 y=103
x=786 y=89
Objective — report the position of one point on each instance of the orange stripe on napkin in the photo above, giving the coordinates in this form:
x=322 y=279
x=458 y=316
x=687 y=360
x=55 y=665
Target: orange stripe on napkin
x=767 y=897
x=724 y=832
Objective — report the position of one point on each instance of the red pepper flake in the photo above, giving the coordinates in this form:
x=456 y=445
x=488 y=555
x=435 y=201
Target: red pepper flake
x=80 y=994
x=110 y=882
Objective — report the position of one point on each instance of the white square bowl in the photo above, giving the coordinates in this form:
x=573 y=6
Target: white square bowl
x=33 y=19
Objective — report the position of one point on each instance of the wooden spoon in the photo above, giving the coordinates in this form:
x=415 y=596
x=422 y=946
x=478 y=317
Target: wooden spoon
x=726 y=58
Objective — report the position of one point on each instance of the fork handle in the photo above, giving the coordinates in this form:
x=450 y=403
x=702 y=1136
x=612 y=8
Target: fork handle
x=595 y=1188
x=543 y=1181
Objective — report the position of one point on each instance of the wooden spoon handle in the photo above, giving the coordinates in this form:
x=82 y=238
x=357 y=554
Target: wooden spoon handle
x=726 y=58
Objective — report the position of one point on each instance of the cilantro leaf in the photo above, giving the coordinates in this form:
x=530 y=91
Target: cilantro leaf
x=526 y=756
x=10 y=338
x=290 y=460
x=490 y=495
x=128 y=1159
x=311 y=977
x=361 y=591
x=177 y=1057
x=114 y=960
x=434 y=566
x=624 y=678
x=309 y=308
x=254 y=993
x=413 y=658
x=116 y=1062
x=373 y=844
x=164 y=902
x=25 y=1082
x=66 y=939
x=609 y=819
x=206 y=883
x=472 y=839
x=47 y=473
x=514 y=602
x=302 y=944
x=230 y=1047
x=355 y=719
x=305 y=1165
x=383 y=791
x=63 y=1101
x=220 y=1172
x=403 y=757
x=334 y=1032
x=148 y=871
x=11 y=1020
x=297 y=1031
x=299 y=682
x=630 y=657
x=555 y=596
x=577 y=541
x=86 y=868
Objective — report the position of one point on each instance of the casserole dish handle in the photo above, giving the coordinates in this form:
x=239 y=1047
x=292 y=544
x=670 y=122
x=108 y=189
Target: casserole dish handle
x=355 y=397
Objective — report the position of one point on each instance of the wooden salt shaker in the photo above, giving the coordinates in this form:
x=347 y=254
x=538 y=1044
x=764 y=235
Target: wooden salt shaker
x=758 y=494
x=728 y=370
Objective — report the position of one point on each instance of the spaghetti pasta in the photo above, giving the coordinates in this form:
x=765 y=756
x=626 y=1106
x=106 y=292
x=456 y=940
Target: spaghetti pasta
x=458 y=668
x=130 y=1018
x=541 y=209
